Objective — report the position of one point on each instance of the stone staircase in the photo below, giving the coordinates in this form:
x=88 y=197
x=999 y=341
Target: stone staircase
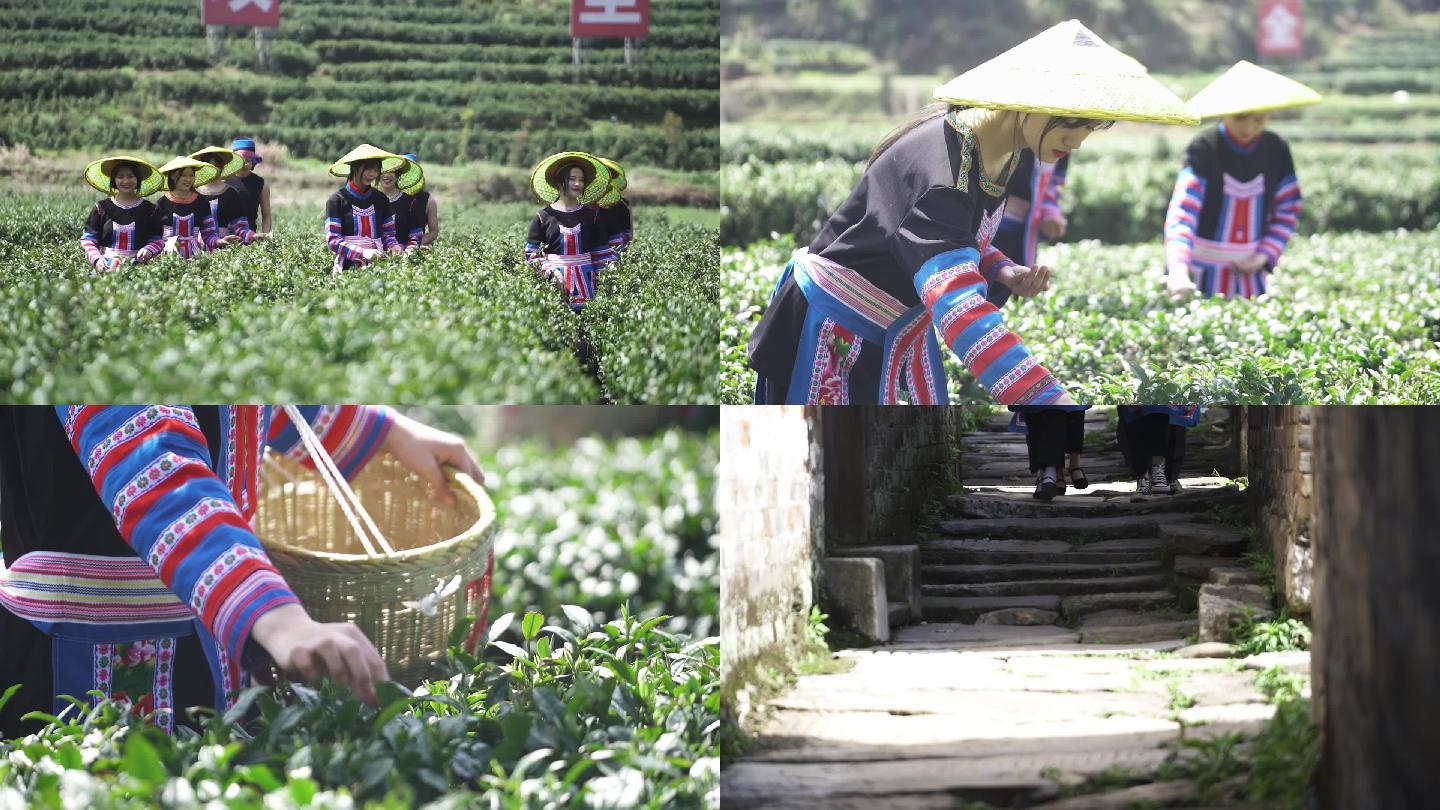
x=1115 y=566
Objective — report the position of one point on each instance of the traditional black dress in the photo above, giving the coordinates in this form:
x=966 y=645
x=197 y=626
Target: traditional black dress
x=615 y=223
x=190 y=227
x=854 y=316
x=115 y=232
x=561 y=246
x=230 y=209
x=130 y=565
x=356 y=221
x=1019 y=232
x=419 y=217
x=1231 y=200
x=252 y=185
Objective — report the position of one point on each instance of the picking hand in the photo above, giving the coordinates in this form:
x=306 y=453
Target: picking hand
x=1052 y=229
x=1026 y=282
x=1178 y=284
x=1251 y=264
x=338 y=650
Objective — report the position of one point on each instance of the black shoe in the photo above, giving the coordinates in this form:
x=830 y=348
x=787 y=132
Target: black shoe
x=1045 y=488
x=1077 y=477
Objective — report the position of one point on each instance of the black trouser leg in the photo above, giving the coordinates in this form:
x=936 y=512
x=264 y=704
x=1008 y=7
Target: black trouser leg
x=1045 y=438
x=1147 y=436
x=1074 y=431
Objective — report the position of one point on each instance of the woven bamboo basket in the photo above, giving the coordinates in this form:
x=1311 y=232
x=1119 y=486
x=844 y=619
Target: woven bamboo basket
x=313 y=545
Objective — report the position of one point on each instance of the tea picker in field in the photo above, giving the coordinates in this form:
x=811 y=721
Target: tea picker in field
x=1152 y=439
x=1032 y=211
x=227 y=203
x=400 y=180
x=424 y=214
x=1050 y=434
x=124 y=226
x=186 y=216
x=359 y=225
x=613 y=215
x=256 y=195
x=566 y=233
x=131 y=566
x=1236 y=200
x=854 y=315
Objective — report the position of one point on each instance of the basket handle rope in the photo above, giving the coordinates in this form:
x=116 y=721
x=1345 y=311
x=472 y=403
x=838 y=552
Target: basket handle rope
x=349 y=503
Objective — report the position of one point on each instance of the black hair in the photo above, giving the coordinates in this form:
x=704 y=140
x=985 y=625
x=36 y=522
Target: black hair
x=134 y=169
x=360 y=165
x=940 y=108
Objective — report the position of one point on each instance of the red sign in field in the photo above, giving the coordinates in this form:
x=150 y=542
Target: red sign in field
x=256 y=13
x=1278 y=29
x=610 y=18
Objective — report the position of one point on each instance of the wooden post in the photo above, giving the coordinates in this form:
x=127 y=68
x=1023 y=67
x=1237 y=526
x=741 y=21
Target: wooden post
x=629 y=59
x=1376 y=605
x=215 y=39
x=575 y=51
x=262 y=49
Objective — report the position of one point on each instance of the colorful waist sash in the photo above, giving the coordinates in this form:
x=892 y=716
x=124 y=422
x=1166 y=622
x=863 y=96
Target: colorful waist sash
x=1220 y=254
x=117 y=253
x=113 y=627
x=845 y=311
x=578 y=273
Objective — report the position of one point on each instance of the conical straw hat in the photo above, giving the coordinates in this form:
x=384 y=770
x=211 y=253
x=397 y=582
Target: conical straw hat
x=233 y=161
x=99 y=173
x=617 y=184
x=544 y=184
x=1247 y=87
x=204 y=172
x=409 y=177
x=341 y=167
x=1067 y=70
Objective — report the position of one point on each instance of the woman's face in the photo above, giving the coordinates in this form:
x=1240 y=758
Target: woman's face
x=184 y=181
x=1059 y=141
x=387 y=180
x=124 y=179
x=1247 y=126
x=574 y=181
x=369 y=170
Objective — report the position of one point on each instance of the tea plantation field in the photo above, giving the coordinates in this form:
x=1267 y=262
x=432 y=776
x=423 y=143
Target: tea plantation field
x=1354 y=318
x=463 y=322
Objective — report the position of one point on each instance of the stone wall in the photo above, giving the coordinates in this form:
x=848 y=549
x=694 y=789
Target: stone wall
x=1278 y=457
x=771 y=523
x=1377 y=607
x=884 y=467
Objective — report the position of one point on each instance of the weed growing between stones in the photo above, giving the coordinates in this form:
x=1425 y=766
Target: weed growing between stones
x=1284 y=634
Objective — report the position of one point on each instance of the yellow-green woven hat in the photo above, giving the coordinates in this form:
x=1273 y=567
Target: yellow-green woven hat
x=1246 y=87
x=1067 y=70
x=409 y=177
x=617 y=184
x=341 y=167
x=204 y=172
x=99 y=174
x=233 y=162
x=544 y=184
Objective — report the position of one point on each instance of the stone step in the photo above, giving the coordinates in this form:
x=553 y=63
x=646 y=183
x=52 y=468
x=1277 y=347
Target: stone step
x=968 y=574
x=1063 y=528
x=1033 y=552
x=1132 y=627
x=899 y=614
x=1082 y=605
x=1079 y=504
x=1062 y=587
x=969 y=608
x=1203 y=539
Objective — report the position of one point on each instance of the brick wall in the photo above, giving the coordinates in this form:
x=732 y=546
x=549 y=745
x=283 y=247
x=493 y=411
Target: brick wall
x=884 y=466
x=771 y=519
x=1278 y=448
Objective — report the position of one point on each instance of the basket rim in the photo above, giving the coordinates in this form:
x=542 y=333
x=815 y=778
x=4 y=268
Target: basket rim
x=483 y=527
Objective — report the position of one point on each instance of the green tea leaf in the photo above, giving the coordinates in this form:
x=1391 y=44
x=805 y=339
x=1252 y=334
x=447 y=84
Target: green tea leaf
x=142 y=761
x=532 y=624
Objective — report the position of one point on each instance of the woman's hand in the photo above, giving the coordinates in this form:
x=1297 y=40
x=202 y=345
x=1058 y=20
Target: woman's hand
x=1178 y=283
x=396 y=250
x=1064 y=400
x=1052 y=229
x=232 y=239
x=1026 y=282
x=1252 y=264
x=338 y=650
x=423 y=449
